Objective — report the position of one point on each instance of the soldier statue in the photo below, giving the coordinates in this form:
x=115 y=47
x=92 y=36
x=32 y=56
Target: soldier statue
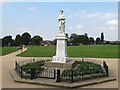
x=61 y=20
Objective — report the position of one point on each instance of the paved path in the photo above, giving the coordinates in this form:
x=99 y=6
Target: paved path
x=8 y=64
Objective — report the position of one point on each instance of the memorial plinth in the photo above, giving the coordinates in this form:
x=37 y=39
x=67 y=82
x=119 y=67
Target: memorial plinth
x=61 y=49
x=66 y=66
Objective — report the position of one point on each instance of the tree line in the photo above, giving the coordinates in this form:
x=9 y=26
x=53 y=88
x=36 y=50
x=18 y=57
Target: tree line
x=24 y=39
x=75 y=39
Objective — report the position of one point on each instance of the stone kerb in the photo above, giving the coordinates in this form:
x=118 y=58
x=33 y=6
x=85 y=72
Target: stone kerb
x=88 y=60
x=93 y=60
x=23 y=62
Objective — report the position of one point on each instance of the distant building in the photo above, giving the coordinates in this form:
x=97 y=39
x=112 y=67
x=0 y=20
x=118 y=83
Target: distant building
x=115 y=42
x=48 y=43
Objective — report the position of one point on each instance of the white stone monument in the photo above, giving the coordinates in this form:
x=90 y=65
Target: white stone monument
x=61 y=47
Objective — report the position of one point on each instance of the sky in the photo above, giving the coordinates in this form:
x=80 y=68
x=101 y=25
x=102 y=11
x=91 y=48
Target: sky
x=41 y=18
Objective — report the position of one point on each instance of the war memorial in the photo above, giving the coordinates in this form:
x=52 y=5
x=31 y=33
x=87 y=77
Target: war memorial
x=60 y=69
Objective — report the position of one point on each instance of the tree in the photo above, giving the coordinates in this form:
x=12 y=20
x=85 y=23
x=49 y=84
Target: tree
x=98 y=40
x=67 y=35
x=36 y=40
x=68 y=39
x=80 y=39
x=91 y=40
x=18 y=40
x=102 y=37
x=85 y=39
x=54 y=42
x=7 y=41
x=74 y=39
x=26 y=38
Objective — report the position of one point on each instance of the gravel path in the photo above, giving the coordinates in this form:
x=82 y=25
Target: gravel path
x=8 y=64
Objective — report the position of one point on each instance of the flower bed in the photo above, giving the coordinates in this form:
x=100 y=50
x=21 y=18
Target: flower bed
x=37 y=65
x=84 y=68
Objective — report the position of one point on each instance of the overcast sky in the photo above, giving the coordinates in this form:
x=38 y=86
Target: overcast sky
x=40 y=18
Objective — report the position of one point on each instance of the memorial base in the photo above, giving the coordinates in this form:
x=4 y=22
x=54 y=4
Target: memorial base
x=66 y=66
x=60 y=59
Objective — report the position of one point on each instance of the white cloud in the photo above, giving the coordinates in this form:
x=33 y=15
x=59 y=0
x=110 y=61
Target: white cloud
x=112 y=24
x=22 y=29
x=78 y=14
x=1 y=1
x=78 y=27
x=70 y=28
x=94 y=15
x=101 y=15
x=95 y=23
x=32 y=8
x=110 y=33
x=110 y=30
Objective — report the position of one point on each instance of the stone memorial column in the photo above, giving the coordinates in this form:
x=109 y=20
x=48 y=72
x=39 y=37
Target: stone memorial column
x=61 y=47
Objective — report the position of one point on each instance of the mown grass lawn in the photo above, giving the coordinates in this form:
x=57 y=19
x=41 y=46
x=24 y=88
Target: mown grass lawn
x=95 y=51
x=7 y=50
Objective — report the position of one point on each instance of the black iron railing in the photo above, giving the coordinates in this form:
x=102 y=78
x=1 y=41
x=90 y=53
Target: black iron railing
x=35 y=73
x=61 y=75
x=75 y=75
x=19 y=69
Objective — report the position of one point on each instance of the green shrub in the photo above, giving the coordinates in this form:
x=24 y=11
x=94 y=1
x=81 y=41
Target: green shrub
x=84 y=68
x=37 y=65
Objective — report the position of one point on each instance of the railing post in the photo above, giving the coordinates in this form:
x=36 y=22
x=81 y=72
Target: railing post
x=103 y=64
x=107 y=71
x=54 y=73
x=71 y=76
x=15 y=64
x=58 y=75
x=21 y=75
x=32 y=71
x=106 y=68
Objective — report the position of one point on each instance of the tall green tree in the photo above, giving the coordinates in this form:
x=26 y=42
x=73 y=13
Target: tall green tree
x=7 y=41
x=36 y=40
x=67 y=35
x=98 y=40
x=91 y=40
x=86 y=41
x=102 y=37
x=26 y=38
x=74 y=39
x=18 y=40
